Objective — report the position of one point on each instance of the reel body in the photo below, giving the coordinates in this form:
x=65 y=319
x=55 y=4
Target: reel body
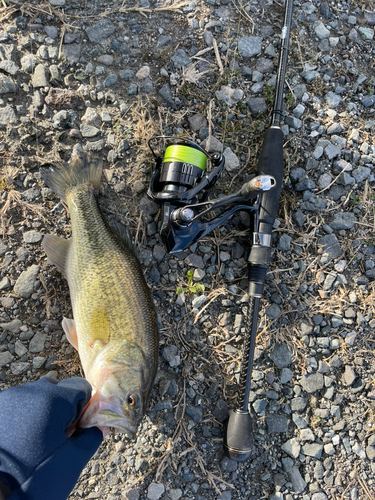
x=181 y=185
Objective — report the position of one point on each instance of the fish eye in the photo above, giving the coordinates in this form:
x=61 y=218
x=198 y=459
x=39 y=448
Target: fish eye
x=131 y=400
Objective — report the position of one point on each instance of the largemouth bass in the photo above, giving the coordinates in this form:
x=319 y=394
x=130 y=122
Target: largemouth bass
x=114 y=327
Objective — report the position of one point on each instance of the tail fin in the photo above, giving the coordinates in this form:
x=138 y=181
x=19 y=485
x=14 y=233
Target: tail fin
x=83 y=169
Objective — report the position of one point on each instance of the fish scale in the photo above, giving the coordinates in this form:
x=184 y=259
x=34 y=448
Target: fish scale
x=114 y=327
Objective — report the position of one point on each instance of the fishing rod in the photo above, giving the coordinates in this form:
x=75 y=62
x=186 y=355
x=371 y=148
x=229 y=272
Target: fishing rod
x=181 y=186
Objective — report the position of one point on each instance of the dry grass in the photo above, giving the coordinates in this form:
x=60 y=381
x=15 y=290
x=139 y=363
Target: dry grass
x=11 y=197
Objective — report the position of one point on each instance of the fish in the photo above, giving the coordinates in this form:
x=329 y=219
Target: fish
x=114 y=325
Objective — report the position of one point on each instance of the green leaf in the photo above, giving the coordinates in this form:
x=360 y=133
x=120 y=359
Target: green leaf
x=180 y=290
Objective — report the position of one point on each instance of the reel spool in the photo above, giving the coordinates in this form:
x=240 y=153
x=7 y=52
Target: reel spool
x=181 y=168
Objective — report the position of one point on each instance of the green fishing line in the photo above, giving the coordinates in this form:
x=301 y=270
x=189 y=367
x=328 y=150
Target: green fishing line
x=185 y=154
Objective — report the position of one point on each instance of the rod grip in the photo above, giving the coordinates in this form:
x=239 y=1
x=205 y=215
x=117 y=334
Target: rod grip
x=271 y=163
x=238 y=438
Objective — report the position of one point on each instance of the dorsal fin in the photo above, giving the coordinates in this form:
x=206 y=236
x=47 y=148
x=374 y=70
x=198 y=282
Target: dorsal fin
x=123 y=234
x=57 y=250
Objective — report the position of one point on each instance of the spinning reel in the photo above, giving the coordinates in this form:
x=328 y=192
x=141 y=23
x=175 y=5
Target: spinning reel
x=181 y=184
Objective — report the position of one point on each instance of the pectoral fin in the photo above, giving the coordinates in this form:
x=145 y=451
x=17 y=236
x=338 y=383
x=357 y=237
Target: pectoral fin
x=57 y=250
x=69 y=327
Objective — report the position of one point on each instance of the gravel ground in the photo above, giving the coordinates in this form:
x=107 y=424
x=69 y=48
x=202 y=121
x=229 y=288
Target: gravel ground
x=108 y=76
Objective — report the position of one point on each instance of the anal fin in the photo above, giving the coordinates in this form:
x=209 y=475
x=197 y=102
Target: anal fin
x=69 y=327
x=57 y=250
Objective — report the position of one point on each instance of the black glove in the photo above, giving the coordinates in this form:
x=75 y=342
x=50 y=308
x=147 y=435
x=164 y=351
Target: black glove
x=37 y=459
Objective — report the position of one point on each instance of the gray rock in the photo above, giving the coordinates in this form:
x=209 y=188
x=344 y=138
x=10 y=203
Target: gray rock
x=91 y=117
x=7 y=85
x=13 y=326
x=133 y=89
x=370 y=451
x=5 y=358
x=299 y=218
x=305 y=328
x=257 y=105
x=71 y=53
x=368 y=100
x=180 y=59
x=228 y=95
x=195 y=260
x=299 y=484
x=335 y=128
x=9 y=67
x=221 y=412
x=155 y=491
x=284 y=243
x=19 y=367
x=319 y=496
x=64 y=119
x=100 y=31
x=24 y=286
x=281 y=355
x=211 y=144
x=292 y=447
x=249 y=46
x=312 y=382
x=32 y=237
x=361 y=173
x=164 y=40
x=197 y=121
x=105 y=59
x=38 y=362
x=126 y=75
x=232 y=161
x=7 y=117
x=148 y=207
x=37 y=342
x=198 y=302
x=264 y=65
x=195 y=413
x=276 y=423
x=88 y=131
x=343 y=220
x=51 y=31
x=367 y=34
x=228 y=465
x=110 y=80
x=166 y=94
x=3 y=248
x=174 y=494
x=273 y=311
x=309 y=76
x=332 y=99
x=330 y=246
x=293 y=122
x=259 y=406
x=159 y=252
x=4 y=283
x=324 y=181
x=370 y=17
x=349 y=375
x=40 y=77
x=29 y=62
x=332 y=151
x=320 y=30
x=286 y=375
x=313 y=450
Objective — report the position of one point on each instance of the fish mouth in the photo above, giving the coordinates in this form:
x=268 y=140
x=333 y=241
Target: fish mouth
x=107 y=414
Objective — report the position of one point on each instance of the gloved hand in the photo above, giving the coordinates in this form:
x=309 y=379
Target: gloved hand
x=37 y=459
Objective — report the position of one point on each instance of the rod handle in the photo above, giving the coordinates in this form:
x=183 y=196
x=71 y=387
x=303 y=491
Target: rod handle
x=238 y=437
